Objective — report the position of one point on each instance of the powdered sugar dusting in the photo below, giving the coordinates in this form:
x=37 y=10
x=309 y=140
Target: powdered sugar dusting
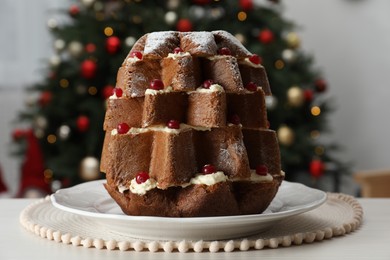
x=232 y=42
x=160 y=43
x=200 y=42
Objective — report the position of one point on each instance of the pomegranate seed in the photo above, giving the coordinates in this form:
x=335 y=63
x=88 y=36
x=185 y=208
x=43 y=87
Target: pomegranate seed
x=123 y=128
x=156 y=84
x=255 y=59
x=251 y=86
x=207 y=83
x=177 y=50
x=141 y=177
x=224 y=51
x=208 y=169
x=235 y=119
x=173 y=124
x=118 y=92
x=137 y=54
x=261 y=169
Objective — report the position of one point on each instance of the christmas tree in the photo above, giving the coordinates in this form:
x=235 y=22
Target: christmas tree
x=67 y=116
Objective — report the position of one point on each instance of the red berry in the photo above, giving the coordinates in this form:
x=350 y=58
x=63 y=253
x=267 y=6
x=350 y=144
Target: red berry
x=255 y=59
x=207 y=83
x=136 y=54
x=123 y=128
x=261 y=169
x=177 y=50
x=251 y=86
x=173 y=124
x=156 y=84
x=208 y=169
x=118 y=92
x=224 y=51
x=141 y=177
x=235 y=119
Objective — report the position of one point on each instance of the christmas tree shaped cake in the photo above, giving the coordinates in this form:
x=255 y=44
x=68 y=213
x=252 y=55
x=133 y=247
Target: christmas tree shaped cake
x=186 y=129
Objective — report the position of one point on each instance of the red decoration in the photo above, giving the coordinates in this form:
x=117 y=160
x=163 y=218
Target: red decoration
x=317 y=168
x=45 y=98
x=113 y=44
x=266 y=36
x=156 y=84
x=82 y=123
x=207 y=83
x=90 y=48
x=137 y=54
x=184 y=25
x=118 y=92
x=122 y=128
x=108 y=91
x=208 y=169
x=251 y=86
x=141 y=177
x=74 y=10
x=320 y=85
x=261 y=169
x=3 y=187
x=173 y=124
x=247 y=5
x=309 y=95
x=177 y=50
x=88 y=69
x=235 y=119
x=32 y=176
x=224 y=51
x=255 y=59
x=18 y=134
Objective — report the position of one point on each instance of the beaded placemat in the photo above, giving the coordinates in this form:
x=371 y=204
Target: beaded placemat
x=339 y=215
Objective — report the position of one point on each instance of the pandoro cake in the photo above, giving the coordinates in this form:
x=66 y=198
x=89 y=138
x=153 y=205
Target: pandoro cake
x=186 y=129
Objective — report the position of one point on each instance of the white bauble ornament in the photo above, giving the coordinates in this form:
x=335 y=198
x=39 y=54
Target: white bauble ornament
x=87 y=3
x=170 y=17
x=56 y=185
x=289 y=55
x=64 y=132
x=40 y=122
x=286 y=135
x=59 y=45
x=129 y=41
x=271 y=102
x=89 y=168
x=75 y=49
x=54 y=61
x=52 y=23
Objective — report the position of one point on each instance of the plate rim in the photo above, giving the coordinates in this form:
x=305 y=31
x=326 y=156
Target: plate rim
x=193 y=220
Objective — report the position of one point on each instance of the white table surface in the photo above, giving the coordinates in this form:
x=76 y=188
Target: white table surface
x=370 y=241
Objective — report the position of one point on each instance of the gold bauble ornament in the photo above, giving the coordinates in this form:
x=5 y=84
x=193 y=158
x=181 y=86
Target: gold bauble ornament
x=295 y=96
x=293 y=40
x=89 y=168
x=286 y=135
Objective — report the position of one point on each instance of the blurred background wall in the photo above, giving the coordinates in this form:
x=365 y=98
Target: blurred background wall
x=349 y=40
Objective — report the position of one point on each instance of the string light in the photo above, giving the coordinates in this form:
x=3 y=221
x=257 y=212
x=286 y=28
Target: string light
x=241 y=16
x=48 y=173
x=279 y=64
x=315 y=111
x=51 y=139
x=92 y=90
x=64 y=83
x=108 y=31
x=319 y=150
x=315 y=134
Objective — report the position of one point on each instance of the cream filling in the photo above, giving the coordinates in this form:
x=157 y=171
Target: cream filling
x=178 y=55
x=246 y=61
x=161 y=128
x=132 y=59
x=213 y=88
x=155 y=92
x=199 y=179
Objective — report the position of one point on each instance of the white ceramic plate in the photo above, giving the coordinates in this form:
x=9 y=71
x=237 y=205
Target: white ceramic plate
x=91 y=200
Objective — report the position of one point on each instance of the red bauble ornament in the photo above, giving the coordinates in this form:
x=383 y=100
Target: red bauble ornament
x=201 y=2
x=246 y=5
x=266 y=36
x=320 y=85
x=90 y=47
x=184 y=25
x=108 y=91
x=113 y=44
x=82 y=123
x=74 y=10
x=18 y=134
x=45 y=98
x=88 y=69
x=308 y=95
x=317 y=168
